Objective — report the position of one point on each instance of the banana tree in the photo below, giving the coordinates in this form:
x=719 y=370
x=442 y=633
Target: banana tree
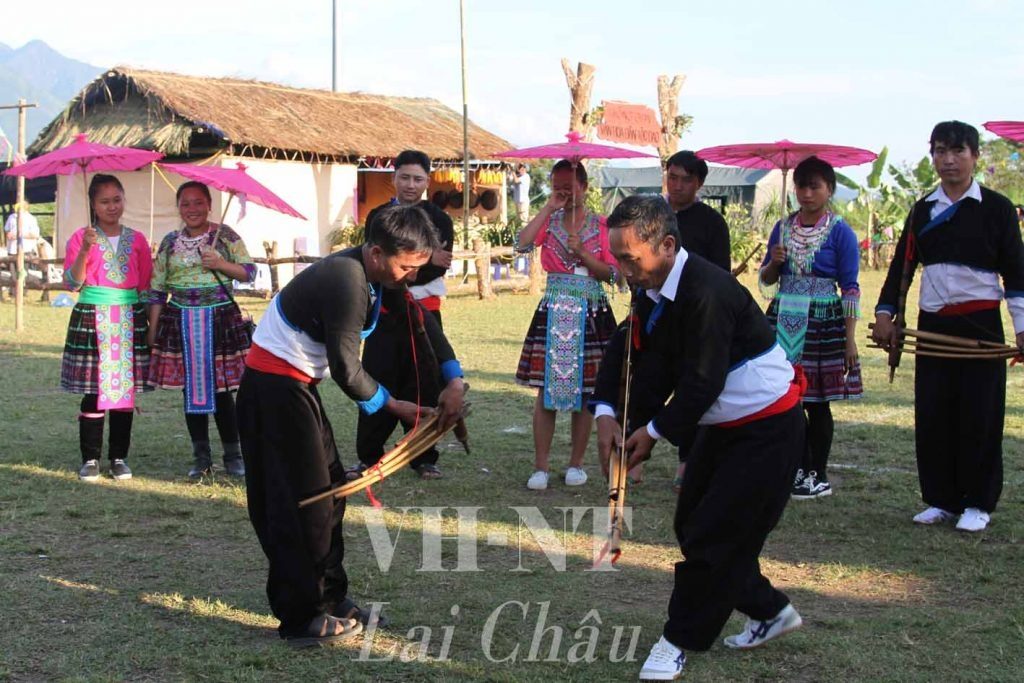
x=871 y=197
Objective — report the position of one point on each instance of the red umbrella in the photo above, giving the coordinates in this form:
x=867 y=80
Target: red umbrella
x=87 y=157
x=1011 y=130
x=784 y=155
x=234 y=181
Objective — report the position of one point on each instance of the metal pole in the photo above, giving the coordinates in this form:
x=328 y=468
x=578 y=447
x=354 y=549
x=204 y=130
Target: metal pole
x=465 y=131
x=334 y=46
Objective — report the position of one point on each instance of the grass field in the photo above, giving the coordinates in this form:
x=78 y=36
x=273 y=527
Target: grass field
x=159 y=579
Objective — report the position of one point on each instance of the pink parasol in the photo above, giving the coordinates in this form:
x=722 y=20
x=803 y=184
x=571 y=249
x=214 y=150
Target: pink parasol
x=574 y=150
x=1011 y=130
x=87 y=157
x=784 y=155
x=234 y=181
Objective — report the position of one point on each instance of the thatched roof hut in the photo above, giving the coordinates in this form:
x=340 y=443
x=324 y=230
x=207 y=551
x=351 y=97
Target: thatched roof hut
x=192 y=116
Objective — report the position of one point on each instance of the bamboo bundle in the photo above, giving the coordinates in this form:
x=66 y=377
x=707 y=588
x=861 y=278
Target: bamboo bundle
x=414 y=444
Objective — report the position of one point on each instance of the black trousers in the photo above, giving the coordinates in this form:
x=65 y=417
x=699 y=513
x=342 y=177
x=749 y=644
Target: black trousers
x=387 y=356
x=90 y=430
x=227 y=423
x=290 y=454
x=959 y=407
x=686 y=442
x=736 y=485
x=820 y=429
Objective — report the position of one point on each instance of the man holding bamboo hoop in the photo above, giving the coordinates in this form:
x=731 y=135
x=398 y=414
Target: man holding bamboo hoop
x=312 y=330
x=966 y=237
x=704 y=354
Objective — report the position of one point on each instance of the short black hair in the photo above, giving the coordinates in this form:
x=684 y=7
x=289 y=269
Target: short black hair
x=648 y=214
x=566 y=165
x=409 y=157
x=403 y=228
x=521 y=166
x=193 y=184
x=689 y=162
x=954 y=134
x=813 y=167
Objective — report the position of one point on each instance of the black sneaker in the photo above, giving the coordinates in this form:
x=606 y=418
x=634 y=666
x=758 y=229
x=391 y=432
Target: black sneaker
x=812 y=487
x=90 y=470
x=119 y=470
x=798 y=483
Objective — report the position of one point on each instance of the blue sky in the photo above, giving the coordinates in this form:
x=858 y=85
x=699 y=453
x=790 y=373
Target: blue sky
x=867 y=74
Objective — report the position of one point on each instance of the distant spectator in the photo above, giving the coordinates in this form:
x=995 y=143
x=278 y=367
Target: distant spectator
x=521 y=193
x=29 y=232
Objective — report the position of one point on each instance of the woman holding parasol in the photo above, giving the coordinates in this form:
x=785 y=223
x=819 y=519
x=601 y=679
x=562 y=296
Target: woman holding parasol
x=810 y=274
x=197 y=333
x=573 y=322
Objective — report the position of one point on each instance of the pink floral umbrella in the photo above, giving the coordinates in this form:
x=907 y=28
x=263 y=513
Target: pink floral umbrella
x=87 y=157
x=784 y=155
x=1011 y=130
x=234 y=181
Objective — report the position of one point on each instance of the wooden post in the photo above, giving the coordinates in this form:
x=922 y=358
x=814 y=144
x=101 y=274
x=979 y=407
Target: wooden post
x=668 y=108
x=19 y=205
x=271 y=249
x=483 y=268
x=581 y=84
x=536 y=273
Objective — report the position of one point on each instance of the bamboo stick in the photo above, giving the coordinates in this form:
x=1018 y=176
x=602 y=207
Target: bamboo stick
x=950 y=339
x=995 y=355
x=933 y=346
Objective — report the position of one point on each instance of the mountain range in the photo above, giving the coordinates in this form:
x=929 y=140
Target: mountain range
x=40 y=75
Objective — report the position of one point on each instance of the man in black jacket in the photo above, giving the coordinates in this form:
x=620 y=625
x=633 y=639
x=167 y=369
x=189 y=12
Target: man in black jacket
x=702 y=231
x=388 y=354
x=966 y=237
x=704 y=354
x=312 y=330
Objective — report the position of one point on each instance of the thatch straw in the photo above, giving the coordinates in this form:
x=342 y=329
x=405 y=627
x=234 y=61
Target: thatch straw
x=183 y=115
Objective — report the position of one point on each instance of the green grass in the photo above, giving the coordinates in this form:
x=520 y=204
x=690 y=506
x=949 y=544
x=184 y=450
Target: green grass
x=159 y=579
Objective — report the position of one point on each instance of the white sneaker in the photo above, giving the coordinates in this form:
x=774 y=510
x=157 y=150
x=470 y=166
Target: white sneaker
x=575 y=476
x=665 y=663
x=538 y=481
x=973 y=519
x=757 y=633
x=933 y=516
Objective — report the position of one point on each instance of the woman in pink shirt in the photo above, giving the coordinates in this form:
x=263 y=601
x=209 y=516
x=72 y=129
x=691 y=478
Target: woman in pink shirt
x=567 y=335
x=105 y=354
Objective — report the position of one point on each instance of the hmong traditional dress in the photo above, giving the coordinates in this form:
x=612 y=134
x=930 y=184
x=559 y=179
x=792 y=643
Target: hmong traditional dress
x=964 y=248
x=573 y=321
x=201 y=339
x=105 y=352
x=808 y=312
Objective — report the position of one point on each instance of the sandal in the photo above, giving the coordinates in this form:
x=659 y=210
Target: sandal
x=324 y=630
x=347 y=609
x=429 y=471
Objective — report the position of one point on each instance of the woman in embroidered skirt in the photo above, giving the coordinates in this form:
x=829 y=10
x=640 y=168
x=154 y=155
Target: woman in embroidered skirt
x=566 y=339
x=199 y=337
x=105 y=355
x=810 y=253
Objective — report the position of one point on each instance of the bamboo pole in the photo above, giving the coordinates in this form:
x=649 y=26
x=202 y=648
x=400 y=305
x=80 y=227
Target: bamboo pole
x=993 y=355
x=965 y=342
x=932 y=346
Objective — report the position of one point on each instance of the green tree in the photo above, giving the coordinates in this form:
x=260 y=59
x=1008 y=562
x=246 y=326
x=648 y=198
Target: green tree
x=1001 y=167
